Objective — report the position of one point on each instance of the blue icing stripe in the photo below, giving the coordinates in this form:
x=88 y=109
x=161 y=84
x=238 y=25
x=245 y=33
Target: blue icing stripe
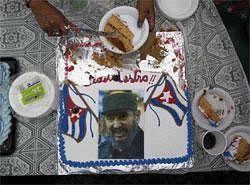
x=157 y=116
x=82 y=125
x=73 y=130
x=176 y=117
x=227 y=154
x=213 y=124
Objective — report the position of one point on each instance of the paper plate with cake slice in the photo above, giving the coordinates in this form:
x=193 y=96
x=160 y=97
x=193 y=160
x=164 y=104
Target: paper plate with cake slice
x=213 y=109
x=123 y=21
x=237 y=154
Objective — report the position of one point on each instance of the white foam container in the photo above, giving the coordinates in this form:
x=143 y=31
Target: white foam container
x=39 y=108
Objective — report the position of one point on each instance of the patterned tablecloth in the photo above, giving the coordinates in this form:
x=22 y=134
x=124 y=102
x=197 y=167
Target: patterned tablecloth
x=211 y=60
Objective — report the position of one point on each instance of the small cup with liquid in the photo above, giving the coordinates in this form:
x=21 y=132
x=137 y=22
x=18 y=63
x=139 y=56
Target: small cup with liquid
x=213 y=142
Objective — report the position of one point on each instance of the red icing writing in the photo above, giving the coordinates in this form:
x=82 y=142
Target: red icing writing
x=85 y=44
x=152 y=79
x=130 y=78
x=69 y=69
x=179 y=54
x=169 y=40
x=182 y=70
x=136 y=77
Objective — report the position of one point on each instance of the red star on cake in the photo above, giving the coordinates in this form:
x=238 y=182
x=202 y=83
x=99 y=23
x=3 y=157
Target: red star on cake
x=75 y=112
x=167 y=96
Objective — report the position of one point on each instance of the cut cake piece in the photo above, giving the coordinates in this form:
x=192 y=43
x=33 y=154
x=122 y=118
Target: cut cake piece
x=243 y=152
x=212 y=106
x=238 y=150
x=125 y=37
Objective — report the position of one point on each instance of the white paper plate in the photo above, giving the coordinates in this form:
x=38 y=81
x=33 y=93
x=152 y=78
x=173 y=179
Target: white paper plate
x=243 y=131
x=38 y=108
x=202 y=121
x=129 y=15
x=177 y=9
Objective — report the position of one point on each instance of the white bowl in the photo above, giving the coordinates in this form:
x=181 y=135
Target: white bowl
x=129 y=15
x=177 y=9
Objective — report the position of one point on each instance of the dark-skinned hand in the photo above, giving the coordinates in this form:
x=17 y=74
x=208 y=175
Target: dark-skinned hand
x=146 y=10
x=49 y=18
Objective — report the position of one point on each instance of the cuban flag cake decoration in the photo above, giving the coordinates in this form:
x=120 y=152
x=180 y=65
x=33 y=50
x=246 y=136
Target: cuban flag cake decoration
x=171 y=100
x=73 y=116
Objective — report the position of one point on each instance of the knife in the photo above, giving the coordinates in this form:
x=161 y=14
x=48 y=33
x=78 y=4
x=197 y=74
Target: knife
x=113 y=34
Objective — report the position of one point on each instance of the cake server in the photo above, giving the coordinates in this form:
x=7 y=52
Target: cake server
x=94 y=32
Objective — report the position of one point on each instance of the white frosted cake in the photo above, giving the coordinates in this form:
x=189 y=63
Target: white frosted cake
x=128 y=121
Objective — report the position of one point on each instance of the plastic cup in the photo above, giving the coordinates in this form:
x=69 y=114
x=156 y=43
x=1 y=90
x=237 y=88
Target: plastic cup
x=213 y=142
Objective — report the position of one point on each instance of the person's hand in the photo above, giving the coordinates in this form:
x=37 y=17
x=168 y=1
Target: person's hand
x=146 y=10
x=49 y=18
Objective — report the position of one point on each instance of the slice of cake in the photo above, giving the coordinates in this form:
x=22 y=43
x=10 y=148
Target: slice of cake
x=124 y=40
x=213 y=107
x=238 y=150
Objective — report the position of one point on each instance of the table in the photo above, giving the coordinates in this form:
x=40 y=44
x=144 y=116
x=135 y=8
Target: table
x=211 y=60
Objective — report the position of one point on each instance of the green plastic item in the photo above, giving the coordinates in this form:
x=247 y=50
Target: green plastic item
x=32 y=91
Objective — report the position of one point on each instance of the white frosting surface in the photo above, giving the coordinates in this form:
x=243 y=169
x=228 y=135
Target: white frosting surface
x=163 y=138
x=166 y=140
x=173 y=62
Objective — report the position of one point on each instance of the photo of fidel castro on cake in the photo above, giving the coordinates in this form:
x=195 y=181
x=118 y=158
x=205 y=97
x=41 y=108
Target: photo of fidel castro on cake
x=120 y=136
